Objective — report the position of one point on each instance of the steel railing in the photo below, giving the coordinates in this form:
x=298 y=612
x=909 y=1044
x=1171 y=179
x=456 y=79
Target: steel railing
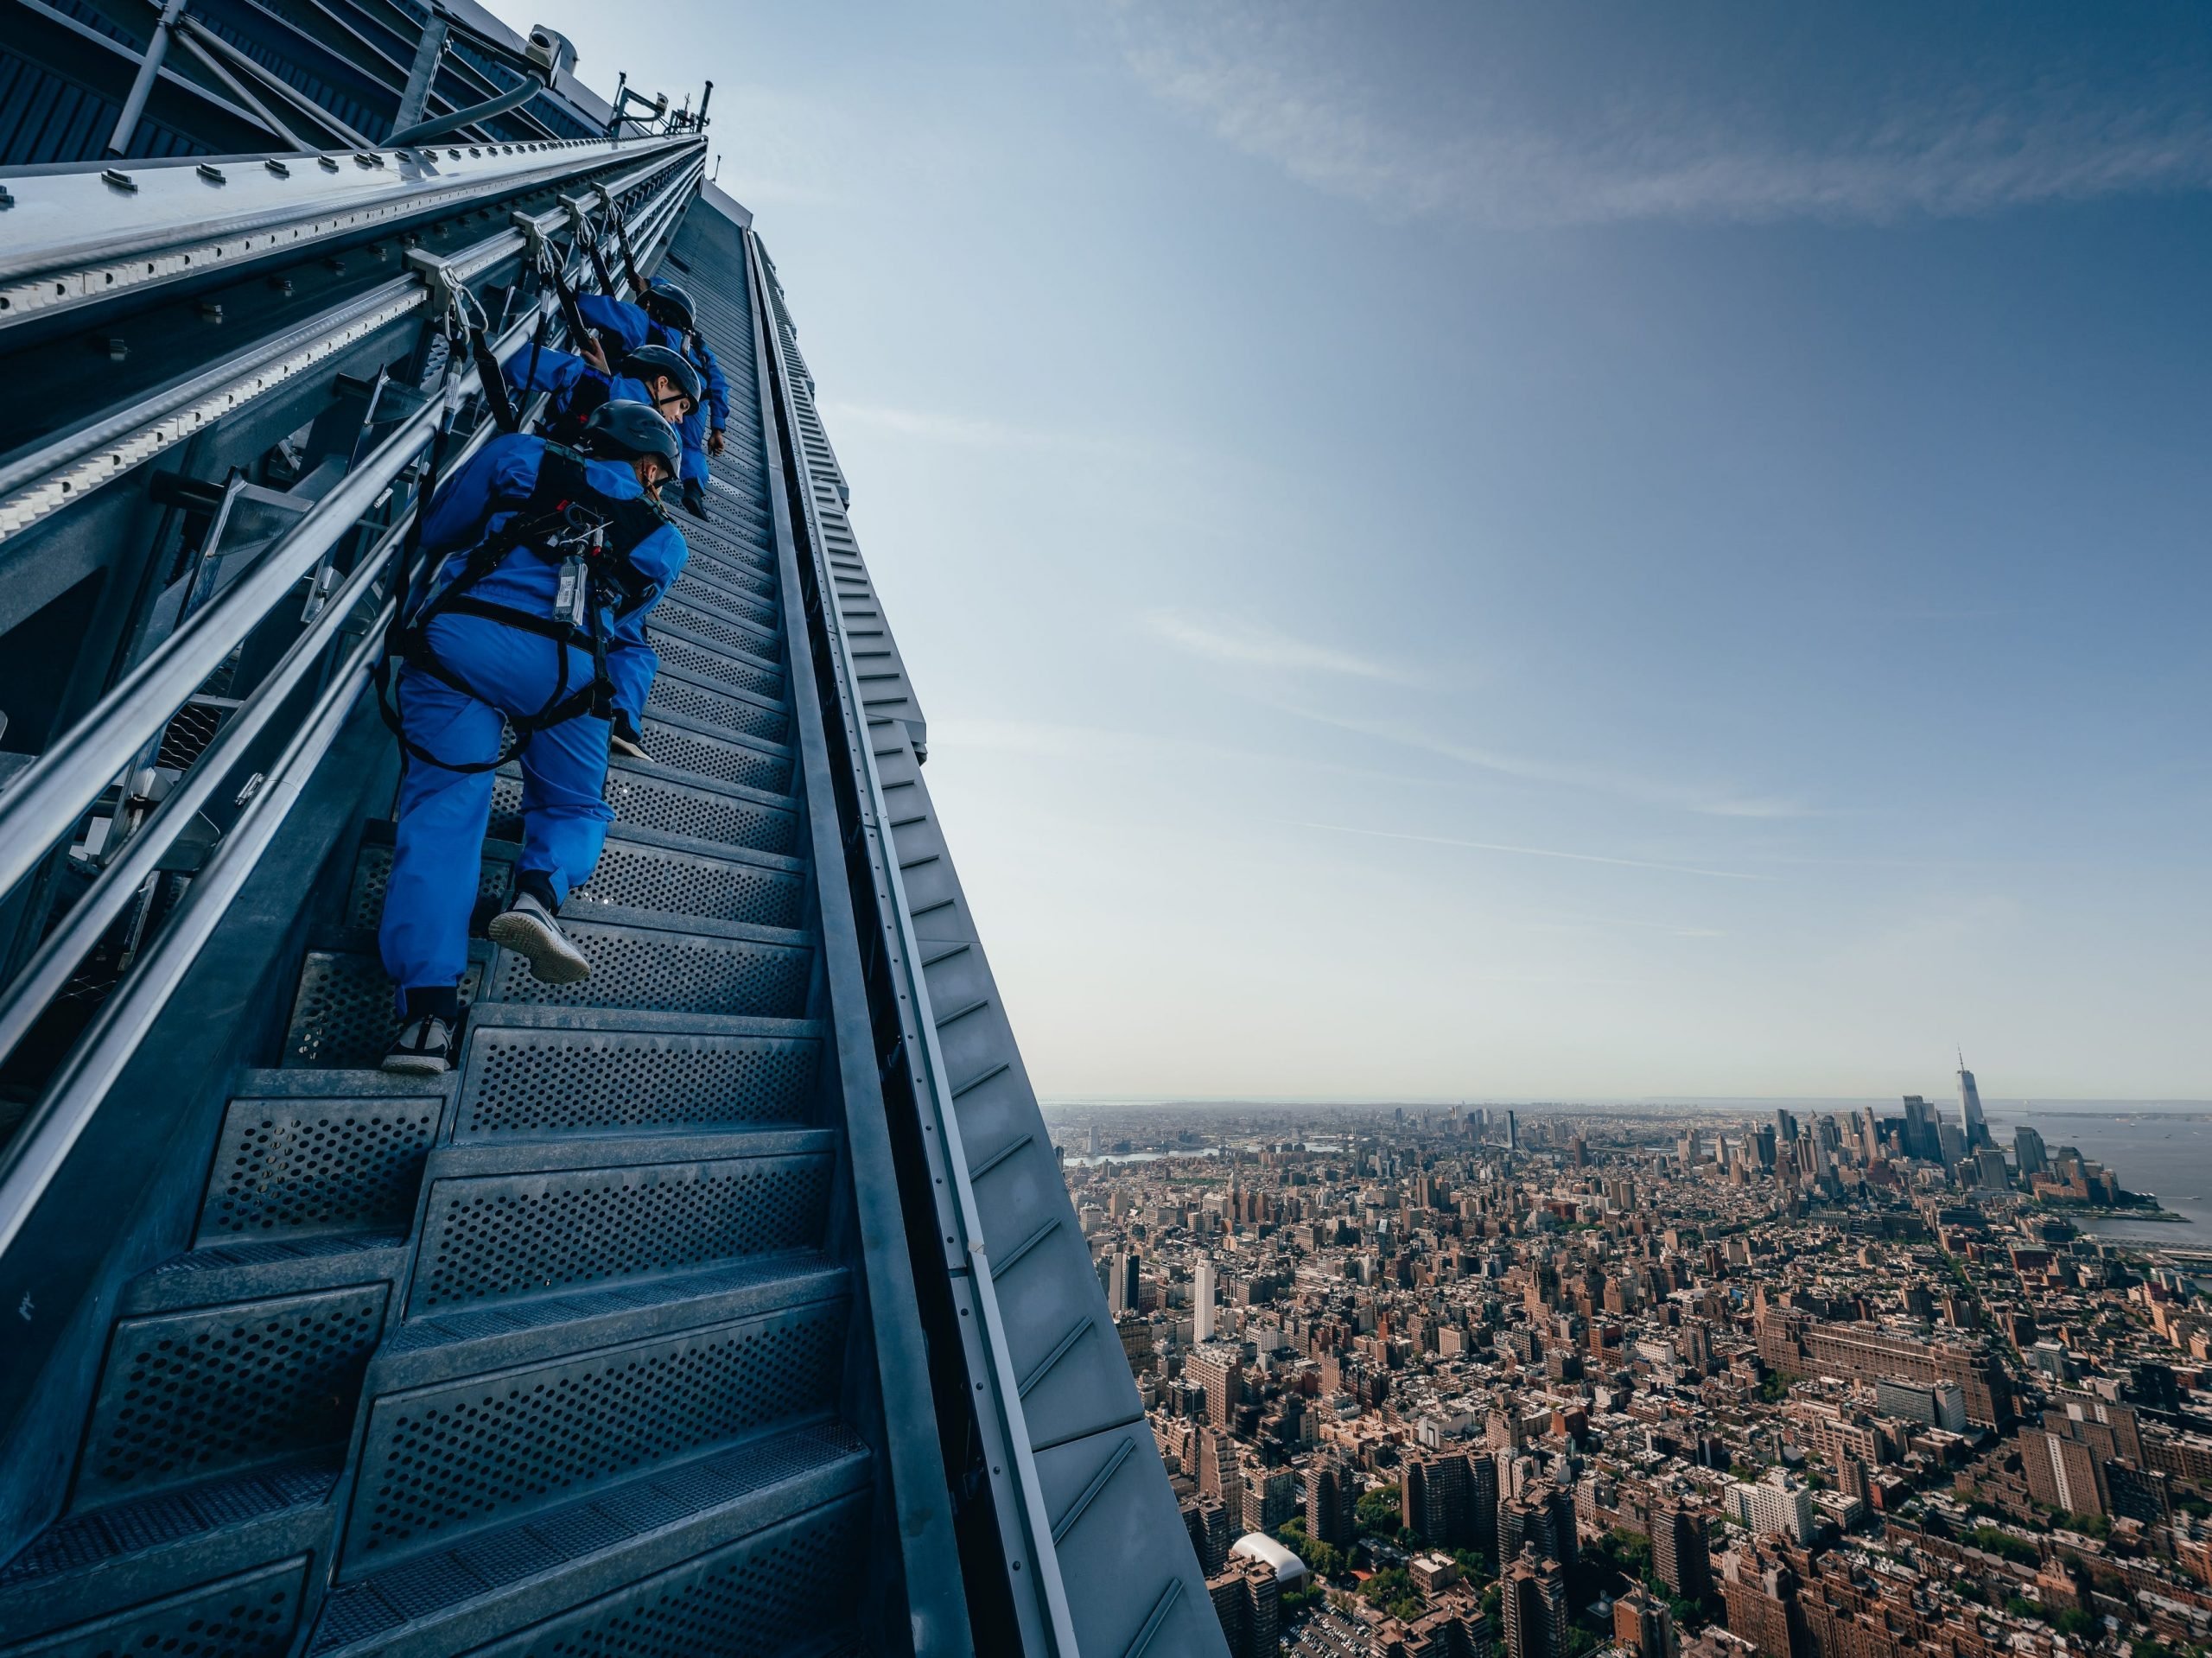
x=50 y=798
x=999 y=1407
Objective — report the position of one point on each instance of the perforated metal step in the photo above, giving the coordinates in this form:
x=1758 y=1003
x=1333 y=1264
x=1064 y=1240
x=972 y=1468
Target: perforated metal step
x=644 y=795
x=676 y=692
x=536 y=1329
x=720 y=755
x=716 y=591
x=212 y=1393
x=529 y=1072
x=669 y=880
x=441 y=1463
x=717 y=665
x=136 y=1554
x=700 y=623
x=703 y=586
x=780 y=1591
x=250 y=1616
x=734 y=968
x=497 y=1237
x=572 y=1561
x=291 y=1166
x=343 y=1012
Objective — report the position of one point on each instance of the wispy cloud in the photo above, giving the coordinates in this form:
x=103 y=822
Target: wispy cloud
x=1251 y=644
x=1706 y=800
x=1533 y=851
x=1285 y=93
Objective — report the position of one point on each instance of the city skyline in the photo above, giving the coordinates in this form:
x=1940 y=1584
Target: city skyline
x=1533 y=1383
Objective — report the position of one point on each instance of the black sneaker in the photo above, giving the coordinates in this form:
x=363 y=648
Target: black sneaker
x=527 y=927
x=626 y=740
x=695 y=499
x=423 y=1048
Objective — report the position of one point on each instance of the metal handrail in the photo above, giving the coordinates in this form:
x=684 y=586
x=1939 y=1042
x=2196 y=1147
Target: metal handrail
x=41 y=1144
x=1005 y=1390
x=36 y=1153
x=70 y=466
x=48 y=796
x=174 y=224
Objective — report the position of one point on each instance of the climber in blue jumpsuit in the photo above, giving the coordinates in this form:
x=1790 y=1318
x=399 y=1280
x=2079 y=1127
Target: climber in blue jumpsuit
x=665 y=316
x=655 y=375
x=515 y=671
x=652 y=374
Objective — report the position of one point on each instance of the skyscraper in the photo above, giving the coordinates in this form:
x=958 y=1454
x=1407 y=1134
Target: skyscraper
x=1534 y=1605
x=2028 y=1152
x=1122 y=1290
x=1330 y=1497
x=1920 y=1136
x=1205 y=1285
x=1970 y=1119
x=1679 y=1551
x=1512 y=1132
x=1219 y=1368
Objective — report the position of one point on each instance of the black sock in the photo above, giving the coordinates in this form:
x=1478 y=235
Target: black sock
x=434 y=1001
x=539 y=885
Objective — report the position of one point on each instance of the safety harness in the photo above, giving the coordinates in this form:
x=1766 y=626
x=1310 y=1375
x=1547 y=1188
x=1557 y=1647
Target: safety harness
x=568 y=521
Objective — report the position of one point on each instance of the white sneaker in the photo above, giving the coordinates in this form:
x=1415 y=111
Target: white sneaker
x=528 y=928
x=423 y=1048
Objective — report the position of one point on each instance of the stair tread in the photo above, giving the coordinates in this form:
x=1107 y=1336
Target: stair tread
x=758 y=1483
x=254 y=1269
x=98 y=1538
x=425 y=1351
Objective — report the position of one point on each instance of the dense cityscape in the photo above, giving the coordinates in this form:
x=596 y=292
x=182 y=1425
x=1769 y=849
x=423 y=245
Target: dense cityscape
x=1550 y=1381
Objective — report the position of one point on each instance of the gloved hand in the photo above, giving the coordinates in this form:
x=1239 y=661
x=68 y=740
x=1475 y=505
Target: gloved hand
x=625 y=739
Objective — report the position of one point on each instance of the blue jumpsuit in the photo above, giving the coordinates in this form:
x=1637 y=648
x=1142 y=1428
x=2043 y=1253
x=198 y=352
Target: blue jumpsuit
x=442 y=814
x=629 y=324
x=632 y=666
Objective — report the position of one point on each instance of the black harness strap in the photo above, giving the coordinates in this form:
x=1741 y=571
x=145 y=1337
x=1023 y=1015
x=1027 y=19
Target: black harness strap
x=564 y=517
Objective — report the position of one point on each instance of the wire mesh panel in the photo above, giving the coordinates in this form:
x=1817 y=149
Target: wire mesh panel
x=522 y=1080
x=640 y=877
x=292 y=1168
x=248 y=1616
x=188 y=1395
x=440 y=1462
x=687 y=973
x=496 y=1237
x=765 y=1594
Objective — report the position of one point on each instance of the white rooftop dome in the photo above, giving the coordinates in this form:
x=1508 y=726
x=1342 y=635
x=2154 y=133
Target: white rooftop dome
x=1258 y=1546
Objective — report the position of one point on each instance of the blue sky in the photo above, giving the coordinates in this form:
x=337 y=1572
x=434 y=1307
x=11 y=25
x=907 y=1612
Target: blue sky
x=1527 y=552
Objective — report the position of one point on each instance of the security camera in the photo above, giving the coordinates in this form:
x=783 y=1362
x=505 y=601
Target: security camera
x=551 y=52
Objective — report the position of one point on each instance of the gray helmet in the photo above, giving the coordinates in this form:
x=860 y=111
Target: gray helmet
x=666 y=302
x=621 y=430
x=648 y=361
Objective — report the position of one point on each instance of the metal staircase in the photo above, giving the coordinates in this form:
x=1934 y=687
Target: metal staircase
x=729 y=1302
